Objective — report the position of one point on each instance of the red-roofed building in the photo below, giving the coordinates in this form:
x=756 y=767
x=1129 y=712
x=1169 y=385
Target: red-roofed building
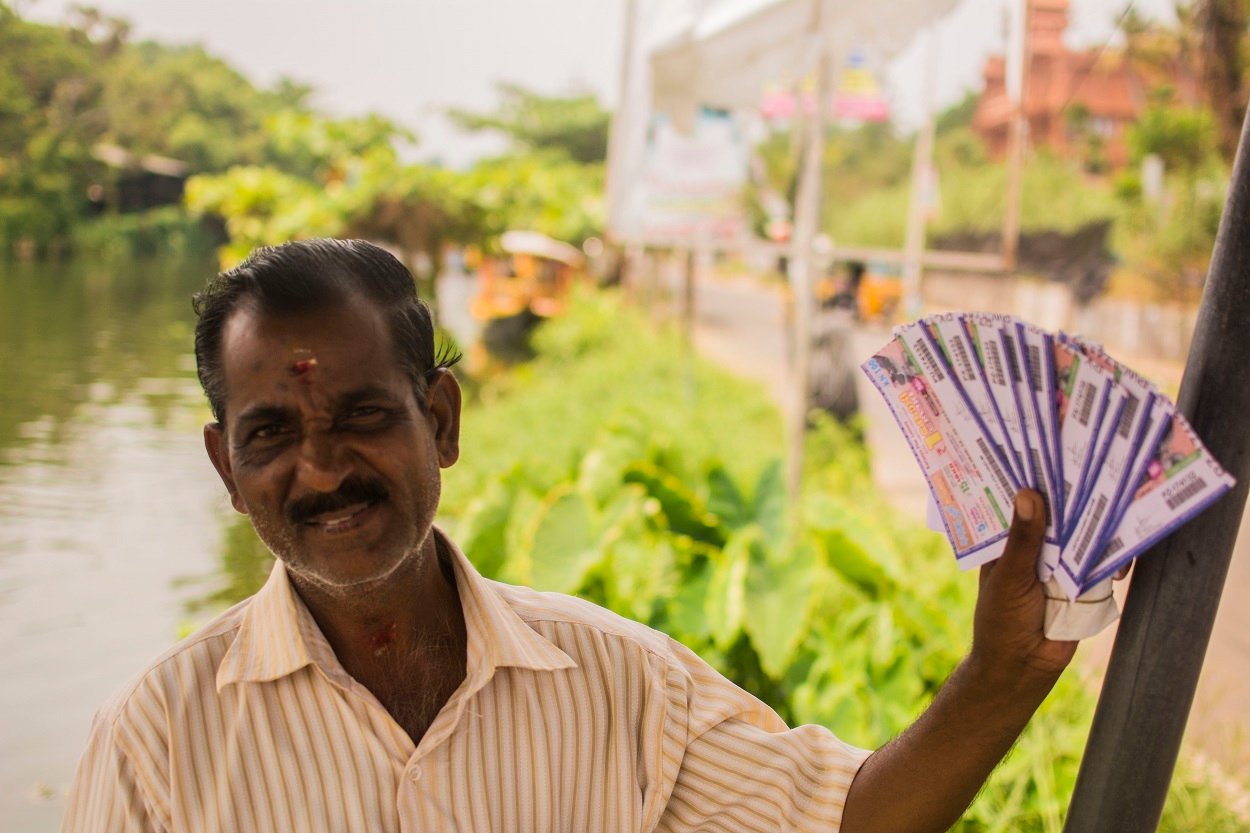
x=1077 y=101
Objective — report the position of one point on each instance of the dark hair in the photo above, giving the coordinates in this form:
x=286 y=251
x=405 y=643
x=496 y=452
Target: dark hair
x=308 y=274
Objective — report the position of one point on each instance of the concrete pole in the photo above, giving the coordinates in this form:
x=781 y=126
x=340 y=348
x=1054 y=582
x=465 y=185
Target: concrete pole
x=1017 y=132
x=1171 y=605
x=921 y=180
x=806 y=219
x=620 y=127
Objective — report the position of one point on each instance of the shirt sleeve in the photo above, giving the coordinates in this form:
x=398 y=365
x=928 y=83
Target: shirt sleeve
x=105 y=796
x=742 y=769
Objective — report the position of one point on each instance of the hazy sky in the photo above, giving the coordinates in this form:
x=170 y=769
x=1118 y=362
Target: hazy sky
x=410 y=59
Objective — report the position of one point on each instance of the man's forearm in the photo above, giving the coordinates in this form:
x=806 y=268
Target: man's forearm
x=927 y=776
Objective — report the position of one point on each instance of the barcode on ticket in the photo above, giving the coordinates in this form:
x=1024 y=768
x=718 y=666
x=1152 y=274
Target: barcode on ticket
x=1085 y=398
x=999 y=476
x=1087 y=537
x=1035 y=367
x=1195 y=487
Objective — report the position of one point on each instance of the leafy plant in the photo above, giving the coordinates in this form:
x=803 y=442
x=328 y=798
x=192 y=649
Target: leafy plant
x=833 y=612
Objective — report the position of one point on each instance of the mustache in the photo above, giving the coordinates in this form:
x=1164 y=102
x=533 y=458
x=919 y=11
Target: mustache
x=349 y=493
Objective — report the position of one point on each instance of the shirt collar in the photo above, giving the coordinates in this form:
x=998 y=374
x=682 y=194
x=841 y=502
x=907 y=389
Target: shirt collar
x=278 y=635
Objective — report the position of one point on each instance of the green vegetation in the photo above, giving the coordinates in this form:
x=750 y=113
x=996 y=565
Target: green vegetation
x=344 y=178
x=261 y=162
x=67 y=90
x=575 y=127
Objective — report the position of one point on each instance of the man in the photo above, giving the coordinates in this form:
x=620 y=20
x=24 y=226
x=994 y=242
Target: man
x=378 y=683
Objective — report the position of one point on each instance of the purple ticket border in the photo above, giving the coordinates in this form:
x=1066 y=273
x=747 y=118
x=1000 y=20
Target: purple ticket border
x=1072 y=512
x=1047 y=433
x=1019 y=472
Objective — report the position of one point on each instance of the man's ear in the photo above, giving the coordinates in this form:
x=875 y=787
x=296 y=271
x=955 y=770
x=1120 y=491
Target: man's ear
x=442 y=403
x=219 y=453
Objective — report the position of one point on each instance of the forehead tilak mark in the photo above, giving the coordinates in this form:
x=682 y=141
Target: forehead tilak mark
x=302 y=364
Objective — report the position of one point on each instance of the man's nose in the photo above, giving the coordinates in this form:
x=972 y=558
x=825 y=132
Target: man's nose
x=323 y=461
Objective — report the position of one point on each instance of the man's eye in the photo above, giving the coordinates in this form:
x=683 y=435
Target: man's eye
x=268 y=432
x=365 y=413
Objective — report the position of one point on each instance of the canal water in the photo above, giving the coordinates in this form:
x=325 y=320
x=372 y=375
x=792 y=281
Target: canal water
x=115 y=533
x=111 y=522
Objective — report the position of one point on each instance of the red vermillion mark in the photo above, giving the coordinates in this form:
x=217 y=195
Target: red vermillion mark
x=302 y=366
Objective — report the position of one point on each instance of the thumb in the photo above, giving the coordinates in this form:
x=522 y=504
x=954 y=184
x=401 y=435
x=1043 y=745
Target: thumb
x=1017 y=569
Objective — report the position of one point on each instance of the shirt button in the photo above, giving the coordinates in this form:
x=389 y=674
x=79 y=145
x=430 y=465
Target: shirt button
x=415 y=773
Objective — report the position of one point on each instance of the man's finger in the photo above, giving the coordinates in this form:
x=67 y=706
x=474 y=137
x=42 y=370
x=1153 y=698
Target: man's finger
x=1024 y=540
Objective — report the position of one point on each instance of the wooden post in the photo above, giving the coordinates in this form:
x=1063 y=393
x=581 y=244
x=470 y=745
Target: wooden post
x=1170 y=611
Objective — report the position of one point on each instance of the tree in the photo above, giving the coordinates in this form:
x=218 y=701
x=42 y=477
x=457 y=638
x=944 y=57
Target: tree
x=49 y=119
x=576 y=126
x=65 y=89
x=1223 y=25
x=182 y=102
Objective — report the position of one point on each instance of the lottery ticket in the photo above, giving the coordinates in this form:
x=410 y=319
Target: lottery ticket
x=1139 y=395
x=1084 y=394
x=1180 y=480
x=961 y=355
x=998 y=333
x=1035 y=349
x=921 y=343
x=972 y=493
x=998 y=387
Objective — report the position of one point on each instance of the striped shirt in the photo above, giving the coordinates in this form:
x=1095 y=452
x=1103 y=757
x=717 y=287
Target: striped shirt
x=570 y=718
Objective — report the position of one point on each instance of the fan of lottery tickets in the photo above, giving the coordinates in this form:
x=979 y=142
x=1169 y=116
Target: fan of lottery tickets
x=990 y=404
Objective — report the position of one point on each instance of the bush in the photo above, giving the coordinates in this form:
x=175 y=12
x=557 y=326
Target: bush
x=159 y=232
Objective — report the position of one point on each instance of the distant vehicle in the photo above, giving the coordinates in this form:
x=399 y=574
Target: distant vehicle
x=530 y=280
x=869 y=292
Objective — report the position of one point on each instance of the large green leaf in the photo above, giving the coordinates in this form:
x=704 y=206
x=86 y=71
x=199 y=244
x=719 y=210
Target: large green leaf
x=779 y=586
x=642 y=573
x=768 y=503
x=482 y=532
x=853 y=548
x=686 y=618
x=640 y=563
x=726 y=594
x=681 y=506
x=563 y=544
x=724 y=498
x=518 y=568
x=602 y=469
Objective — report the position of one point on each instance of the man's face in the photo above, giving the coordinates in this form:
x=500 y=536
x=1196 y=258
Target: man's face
x=325 y=445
